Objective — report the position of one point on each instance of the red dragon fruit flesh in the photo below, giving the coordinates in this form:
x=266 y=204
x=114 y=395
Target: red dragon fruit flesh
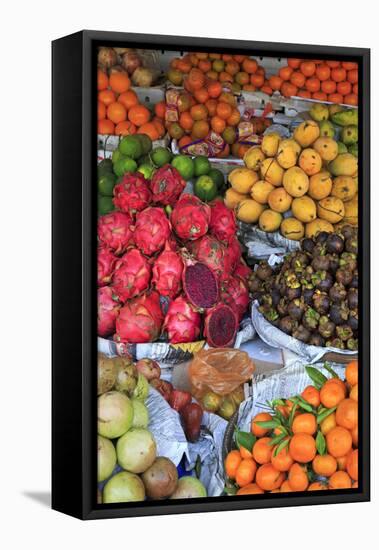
x=167 y=185
x=220 y=326
x=167 y=272
x=132 y=193
x=235 y=294
x=182 y=322
x=190 y=218
x=115 y=231
x=107 y=311
x=214 y=254
x=131 y=276
x=140 y=319
x=200 y=285
x=223 y=221
x=106 y=261
x=152 y=230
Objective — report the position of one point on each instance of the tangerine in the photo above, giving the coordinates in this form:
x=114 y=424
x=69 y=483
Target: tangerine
x=257 y=80
x=199 y=112
x=275 y=82
x=116 y=112
x=234 y=118
x=285 y=73
x=331 y=393
x=224 y=110
x=101 y=110
x=246 y=471
x=282 y=461
x=321 y=96
x=250 y=66
x=211 y=105
x=351 y=373
x=297 y=478
x=354 y=435
x=338 y=74
x=312 y=84
x=257 y=430
x=317 y=486
x=302 y=447
x=297 y=79
x=338 y=441
x=160 y=109
x=200 y=129
x=102 y=80
x=293 y=62
x=351 y=99
x=201 y=95
x=232 y=461
x=218 y=124
x=150 y=130
x=286 y=487
x=119 y=82
x=354 y=393
x=328 y=424
x=107 y=97
x=344 y=87
x=250 y=489
x=352 y=76
x=308 y=68
x=335 y=98
x=304 y=423
x=324 y=465
x=269 y=478
x=186 y=121
x=311 y=396
x=130 y=98
x=262 y=450
x=323 y=72
x=352 y=464
x=125 y=128
x=340 y=480
x=105 y=127
x=347 y=414
x=139 y=114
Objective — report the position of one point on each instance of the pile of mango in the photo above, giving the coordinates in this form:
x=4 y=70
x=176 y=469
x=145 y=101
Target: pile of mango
x=302 y=185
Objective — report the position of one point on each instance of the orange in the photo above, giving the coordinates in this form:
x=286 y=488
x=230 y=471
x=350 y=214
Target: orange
x=293 y=62
x=328 y=86
x=352 y=464
x=333 y=64
x=226 y=57
x=218 y=124
x=199 y=112
x=174 y=63
x=348 y=65
x=275 y=82
x=311 y=396
x=297 y=79
x=282 y=461
x=224 y=152
x=159 y=126
x=186 y=121
x=193 y=59
x=119 y=82
x=312 y=84
x=257 y=80
x=232 y=67
x=355 y=89
x=297 y=478
x=335 y=98
x=354 y=393
x=250 y=489
x=204 y=65
x=323 y=72
x=242 y=150
x=150 y=130
x=234 y=118
x=214 y=56
x=340 y=480
x=211 y=105
x=269 y=478
x=258 y=430
x=321 y=96
x=184 y=66
x=338 y=441
x=224 y=110
x=338 y=74
x=347 y=414
x=324 y=465
x=201 y=95
x=286 y=487
x=354 y=435
x=302 y=447
x=242 y=78
x=185 y=140
x=304 y=423
x=175 y=130
x=101 y=110
x=185 y=102
x=196 y=79
x=351 y=373
x=214 y=89
x=200 y=129
x=344 y=87
x=304 y=93
x=129 y=99
x=232 y=461
x=225 y=77
x=355 y=485
x=285 y=73
x=288 y=89
x=212 y=75
x=262 y=450
x=125 y=128
x=139 y=114
x=245 y=453
x=350 y=99
x=107 y=97
x=228 y=97
x=308 y=68
x=328 y=424
x=317 y=486
x=239 y=58
x=201 y=55
x=246 y=472
x=116 y=112
x=102 y=80
x=249 y=65
x=342 y=461
x=105 y=127
x=331 y=393
x=352 y=76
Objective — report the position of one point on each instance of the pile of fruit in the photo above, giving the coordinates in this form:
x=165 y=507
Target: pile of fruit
x=300 y=185
x=313 y=294
x=124 y=438
x=333 y=120
x=169 y=264
x=305 y=443
x=333 y=81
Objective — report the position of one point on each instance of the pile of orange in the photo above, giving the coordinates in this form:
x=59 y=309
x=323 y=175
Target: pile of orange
x=332 y=81
x=239 y=71
x=307 y=443
x=119 y=111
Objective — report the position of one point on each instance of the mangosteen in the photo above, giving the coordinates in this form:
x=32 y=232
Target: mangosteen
x=288 y=325
x=337 y=293
x=334 y=262
x=307 y=274
x=352 y=298
x=264 y=271
x=310 y=319
x=348 y=260
x=256 y=296
x=319 y=250
x=344 y=276
x=316 y=340
x=301 y=333
x=353 y=320
x=282 y=307
x=275 y=295
x=326 y=327
x=294 y=292
x=307 y=245
x=299 y=261
x=320 y=263
x=296 y=308
x=324 y=281
x=266 y=299
x=335 y=343
x=321 y=302
x=308 y=292
x=352 y=344
x=347 y=231
x=254 y=282
x=354 y=281
x=334 y=244
x=344 y=332
x=339 y=313
x=321 y=237
x=269 y=313
x=351 y=245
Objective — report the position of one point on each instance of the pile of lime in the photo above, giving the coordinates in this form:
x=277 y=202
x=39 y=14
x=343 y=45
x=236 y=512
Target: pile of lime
x=208 y=181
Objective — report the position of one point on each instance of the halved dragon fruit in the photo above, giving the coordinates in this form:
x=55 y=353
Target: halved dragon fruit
x=234 y=293
x=214 y=254
x=131 y=276
x=152 y=230
x=190 y=218
x=167 y=272
x=115 y=231
x=140 y=319
x=220 y=326
x=182 y=322
x=200 y=284
x=106 y=261
x=107 y=311
x=167 y=185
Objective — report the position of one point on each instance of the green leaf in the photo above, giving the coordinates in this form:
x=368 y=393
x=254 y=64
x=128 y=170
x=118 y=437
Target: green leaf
x=320 y=443
x=316 y=376
x=277 y=439
x=278 y=402
x=281 y=446
x=325 y=414
x=244 y=439
x=230 y=488
x=292 y=414
x=306 y=406
x=327 y=367
x=268 y=424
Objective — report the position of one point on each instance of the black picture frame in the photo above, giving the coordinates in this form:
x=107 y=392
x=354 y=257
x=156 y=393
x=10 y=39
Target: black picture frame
x=74 y=204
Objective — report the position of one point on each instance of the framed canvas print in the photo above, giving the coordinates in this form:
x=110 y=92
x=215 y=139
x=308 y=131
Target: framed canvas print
x=211 y=255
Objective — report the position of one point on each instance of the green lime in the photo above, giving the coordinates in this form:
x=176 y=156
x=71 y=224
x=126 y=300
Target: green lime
x=147 y=170
x=104 y=167
x=145 y=159
x=105 y=184
x=202 y=166
x=217 y=176
x=184 y=166
x=124 y=165
x=117 y=155
x=161 y=156
x=205 y=188
x=104 y=205
x=146 y=143
x=131 y=146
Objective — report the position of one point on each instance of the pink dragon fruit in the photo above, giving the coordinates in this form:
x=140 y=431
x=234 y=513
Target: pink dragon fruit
x=200 y=284
x=190 y=218
x=167 y=272
x=115 y=231
x=107 y=311
x=132 y=194
x=234 y=251
x=131 y=276
x=234 y=293
x=152 y=230
x=167 y=185
x=140 y=319
x=214 y=254
x=220 y=326
x=223 y=221
x=182 y=322
x=242 y=270
x=106 y=261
